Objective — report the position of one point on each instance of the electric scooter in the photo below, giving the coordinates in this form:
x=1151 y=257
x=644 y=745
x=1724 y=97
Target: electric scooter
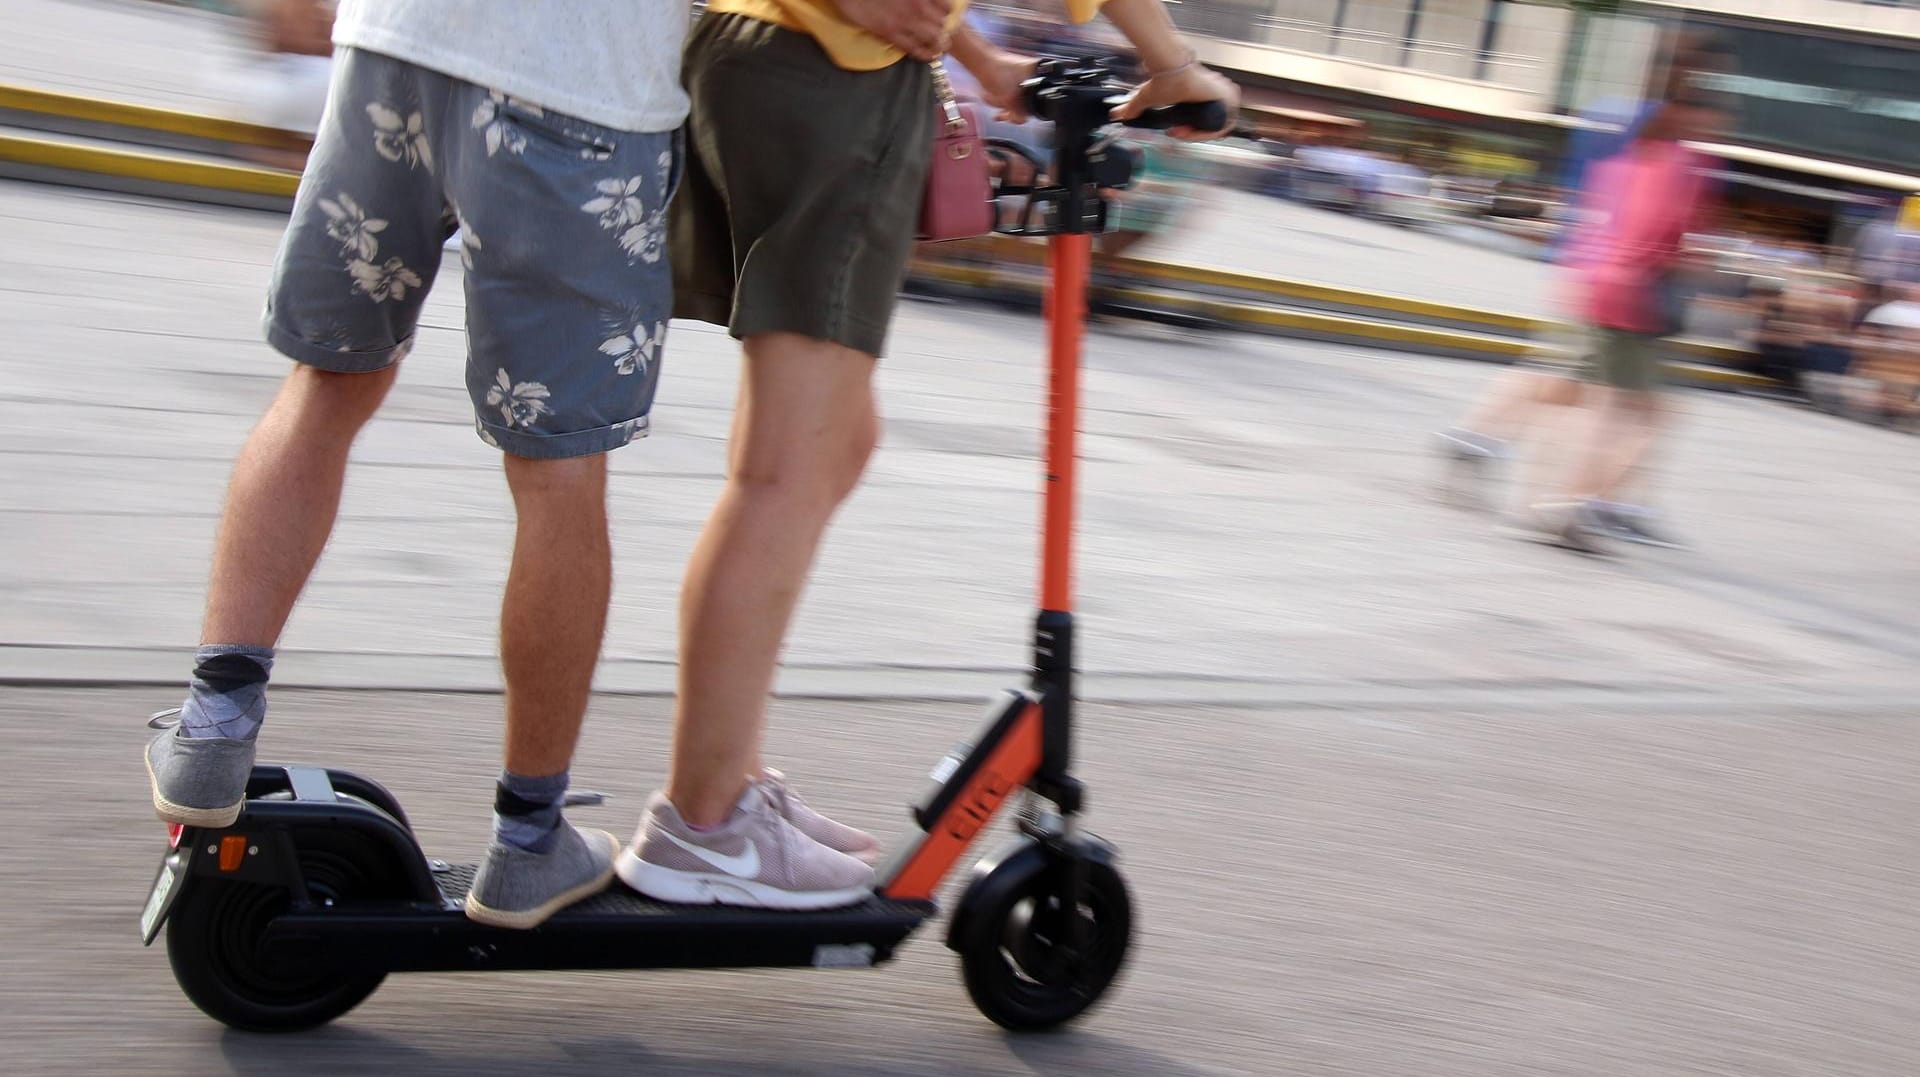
x=294 y=914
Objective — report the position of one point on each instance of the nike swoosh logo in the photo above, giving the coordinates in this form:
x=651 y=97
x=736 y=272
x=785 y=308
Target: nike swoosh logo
x=740 y=865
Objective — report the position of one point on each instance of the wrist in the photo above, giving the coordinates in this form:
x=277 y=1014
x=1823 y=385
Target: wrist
x=1146 y=24
x=1184 y=59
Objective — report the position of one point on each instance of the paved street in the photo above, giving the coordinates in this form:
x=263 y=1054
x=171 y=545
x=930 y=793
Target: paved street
x=1321 y=892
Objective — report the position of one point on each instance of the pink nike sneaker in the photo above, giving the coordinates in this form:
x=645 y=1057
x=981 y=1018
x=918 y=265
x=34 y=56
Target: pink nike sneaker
x=839 y=837
x=758 y=858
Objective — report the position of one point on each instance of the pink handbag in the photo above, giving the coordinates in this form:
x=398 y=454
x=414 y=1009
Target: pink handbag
x=958 y=203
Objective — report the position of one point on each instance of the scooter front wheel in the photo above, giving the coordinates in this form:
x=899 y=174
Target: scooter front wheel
x=215 y=945
x=1032 y=956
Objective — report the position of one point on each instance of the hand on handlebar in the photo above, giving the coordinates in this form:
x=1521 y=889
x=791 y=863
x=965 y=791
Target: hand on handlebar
x=1001 y=84
x=1189 y=84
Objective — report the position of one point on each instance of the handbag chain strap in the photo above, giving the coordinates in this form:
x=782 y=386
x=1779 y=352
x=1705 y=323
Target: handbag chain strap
x=956 y=123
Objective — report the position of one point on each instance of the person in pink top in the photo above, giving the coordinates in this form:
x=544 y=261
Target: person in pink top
x=1627 y=263
x=1646 y=200
x=1544 y=398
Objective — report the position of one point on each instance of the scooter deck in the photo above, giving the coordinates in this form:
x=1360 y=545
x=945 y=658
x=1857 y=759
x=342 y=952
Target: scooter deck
x=423 y=926
x=618 y=929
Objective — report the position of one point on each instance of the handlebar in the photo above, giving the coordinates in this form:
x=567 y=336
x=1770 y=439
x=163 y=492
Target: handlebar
x=1199 y=115
x=1082 y=96
x=1078 y=99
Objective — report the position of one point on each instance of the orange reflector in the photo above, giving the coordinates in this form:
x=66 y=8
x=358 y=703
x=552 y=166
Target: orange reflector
x=233 y=849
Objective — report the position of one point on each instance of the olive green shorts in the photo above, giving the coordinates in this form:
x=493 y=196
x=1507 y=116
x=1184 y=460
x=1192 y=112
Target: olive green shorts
x=1622 y=359
x=803 y=185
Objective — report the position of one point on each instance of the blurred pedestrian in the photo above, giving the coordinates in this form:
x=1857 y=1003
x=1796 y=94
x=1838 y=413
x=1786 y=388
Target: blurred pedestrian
x=1544 y=401
x=283 y=83
x=1521 y=399
x=1889 y=359
x=1781 y=328
x=1628 y=279
x=1887 y=250
x=1152 y=202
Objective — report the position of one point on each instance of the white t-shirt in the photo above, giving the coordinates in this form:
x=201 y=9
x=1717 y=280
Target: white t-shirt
x=611 y=62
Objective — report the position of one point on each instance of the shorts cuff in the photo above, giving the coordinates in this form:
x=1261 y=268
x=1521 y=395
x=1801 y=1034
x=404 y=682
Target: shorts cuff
x=562 y=446
x=863 y=337
x=310 y=354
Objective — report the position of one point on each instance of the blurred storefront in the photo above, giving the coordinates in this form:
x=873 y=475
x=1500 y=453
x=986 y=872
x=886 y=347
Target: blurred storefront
x=1455 y=86
x=1827 y=91
x=1826 y=95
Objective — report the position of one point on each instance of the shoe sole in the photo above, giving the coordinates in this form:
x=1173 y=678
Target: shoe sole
x=521 y=920
x=1556 y=539
x=181 y=815
x=699 y=888
x=1579 y=544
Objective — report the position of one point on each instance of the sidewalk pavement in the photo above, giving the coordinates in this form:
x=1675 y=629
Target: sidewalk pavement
x=1259 y=518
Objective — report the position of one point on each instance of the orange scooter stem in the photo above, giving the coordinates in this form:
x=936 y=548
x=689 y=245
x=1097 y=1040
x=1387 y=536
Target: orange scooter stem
x=1070 y=258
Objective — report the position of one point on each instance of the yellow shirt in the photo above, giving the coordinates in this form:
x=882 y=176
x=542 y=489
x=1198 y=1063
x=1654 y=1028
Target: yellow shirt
x=848 y=45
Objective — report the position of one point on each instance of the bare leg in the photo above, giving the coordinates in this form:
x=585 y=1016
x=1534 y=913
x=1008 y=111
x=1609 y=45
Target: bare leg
x=1633 y=488
x=1649 y=421
x=555 y=611
x=803 y=431
x=282 y=501
x=1560 y=424
x=1522 y=404
x=1511 y=403
x=1625 y=427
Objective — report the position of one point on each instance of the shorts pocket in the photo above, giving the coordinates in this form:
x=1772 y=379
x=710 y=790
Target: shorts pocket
x=557 y=134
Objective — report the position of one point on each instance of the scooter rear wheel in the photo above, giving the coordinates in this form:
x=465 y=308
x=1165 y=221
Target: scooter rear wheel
x=215 y=936
x=1019 y=966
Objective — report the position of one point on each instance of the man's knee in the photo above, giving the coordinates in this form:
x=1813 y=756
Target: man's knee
x=568 y=483
x=336 y=401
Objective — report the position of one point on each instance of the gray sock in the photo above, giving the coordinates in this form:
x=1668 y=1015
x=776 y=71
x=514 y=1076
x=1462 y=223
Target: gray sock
x=526 y=811
x=228 y=694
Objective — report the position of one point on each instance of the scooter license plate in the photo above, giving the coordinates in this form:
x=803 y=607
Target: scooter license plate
x=166 y=887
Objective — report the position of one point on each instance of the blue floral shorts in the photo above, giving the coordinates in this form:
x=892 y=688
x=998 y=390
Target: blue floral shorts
x=562 y=228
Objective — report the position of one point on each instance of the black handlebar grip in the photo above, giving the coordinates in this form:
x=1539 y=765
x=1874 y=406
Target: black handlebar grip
x=1199 y=115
